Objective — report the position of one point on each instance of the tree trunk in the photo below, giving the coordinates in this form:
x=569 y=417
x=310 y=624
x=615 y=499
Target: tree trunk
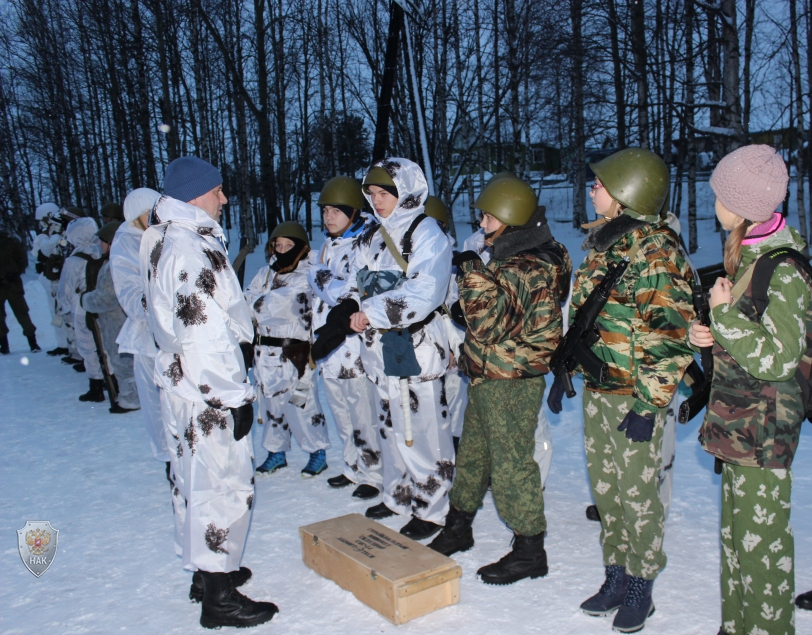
x=638 y=39
x=617 y=75
x=577 y=172
x=693 y=243
x=799 y=119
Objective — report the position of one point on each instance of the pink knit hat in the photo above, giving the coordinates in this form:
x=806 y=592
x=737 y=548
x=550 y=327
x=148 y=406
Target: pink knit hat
x=751 y=182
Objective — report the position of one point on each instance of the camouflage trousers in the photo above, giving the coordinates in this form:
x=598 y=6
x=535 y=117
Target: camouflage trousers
x=623 y=475
x=758 y=583
x=498 y=441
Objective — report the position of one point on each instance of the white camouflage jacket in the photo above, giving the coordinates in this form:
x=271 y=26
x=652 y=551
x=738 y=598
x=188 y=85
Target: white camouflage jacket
x=329 y=278
x=195 y=307
x=135 y=336
x=427 y=277
x=81 y=233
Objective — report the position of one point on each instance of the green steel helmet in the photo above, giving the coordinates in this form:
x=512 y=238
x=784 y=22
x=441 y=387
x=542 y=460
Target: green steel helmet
x=509 y=200
x=501 y=175
x=636 y=178
x=290 y=229
x=436 y=209
x=378 y=176
x=112 y=210
x=342 y=190
x=107 y=232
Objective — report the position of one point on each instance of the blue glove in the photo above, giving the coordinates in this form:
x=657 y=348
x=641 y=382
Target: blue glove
x=555 y=395
x=637 y=427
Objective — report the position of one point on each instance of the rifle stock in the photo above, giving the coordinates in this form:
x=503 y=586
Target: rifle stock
x=700 y=391
x=93 y=325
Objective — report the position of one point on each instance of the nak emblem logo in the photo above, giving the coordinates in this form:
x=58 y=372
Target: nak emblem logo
x=37 y=542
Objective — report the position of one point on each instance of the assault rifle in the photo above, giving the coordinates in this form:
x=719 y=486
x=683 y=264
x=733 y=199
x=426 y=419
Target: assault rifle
x=576 y=346
x=700 y=378
x=93 y=325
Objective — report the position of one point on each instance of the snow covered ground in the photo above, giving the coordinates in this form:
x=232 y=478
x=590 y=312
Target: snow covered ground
x=91 y=475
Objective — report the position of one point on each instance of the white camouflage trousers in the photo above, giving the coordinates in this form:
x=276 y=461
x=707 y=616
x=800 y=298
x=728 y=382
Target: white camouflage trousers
x=86 y=345
x=416 y=479
x=352 y=402
x=149 y=396
x=282 y=419
x=51 y=287
x=214 y=475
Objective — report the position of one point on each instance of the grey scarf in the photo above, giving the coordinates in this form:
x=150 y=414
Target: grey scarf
x=514 y=240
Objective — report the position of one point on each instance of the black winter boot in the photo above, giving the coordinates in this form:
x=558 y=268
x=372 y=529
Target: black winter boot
x=636 y=607
x=592 y=513
x=238 y=578
x=457 y=535
x=120 y=410
x=223 y=605
x=611 y=595
x=32 y=344
x=96 y=392
x=527 y=560
x=80 y=367
x=57 y=351
x=419 y=529
x=71 y=361
x=4 y=349
x=804 y=601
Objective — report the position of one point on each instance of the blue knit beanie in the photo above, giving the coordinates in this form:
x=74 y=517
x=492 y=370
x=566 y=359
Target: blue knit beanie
x=187 y=178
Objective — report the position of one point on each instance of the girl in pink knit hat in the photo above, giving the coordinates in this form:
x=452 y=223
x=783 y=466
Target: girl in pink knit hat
x=754 y=413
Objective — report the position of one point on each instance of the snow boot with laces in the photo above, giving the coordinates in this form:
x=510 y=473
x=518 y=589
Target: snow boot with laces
x=96 y=392
x=223 y=605
x=275 y=461
x=316 y=465
x=611 y=595
x=636 y=607
x=238 y=578
x=527 y=560
x=457 y=535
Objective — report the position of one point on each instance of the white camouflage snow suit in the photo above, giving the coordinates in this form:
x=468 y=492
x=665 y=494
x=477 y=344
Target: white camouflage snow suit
x=416 y=479
x=81 y=233
x=102 y=301
x=281 y=305
x=198 y=316
x=350 y=394
x=135 y=337
x=48 y=244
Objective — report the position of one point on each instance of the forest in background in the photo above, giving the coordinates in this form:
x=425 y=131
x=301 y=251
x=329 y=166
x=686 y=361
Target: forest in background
x=97 y=96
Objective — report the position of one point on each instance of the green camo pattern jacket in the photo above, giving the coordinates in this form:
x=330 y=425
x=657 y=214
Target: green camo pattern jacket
x=644 y=325
x=513 y=311
x=755 y=410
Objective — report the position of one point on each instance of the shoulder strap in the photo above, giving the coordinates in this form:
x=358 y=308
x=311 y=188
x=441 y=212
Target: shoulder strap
x=402 y=260
x=85 y=257
x=764 y=268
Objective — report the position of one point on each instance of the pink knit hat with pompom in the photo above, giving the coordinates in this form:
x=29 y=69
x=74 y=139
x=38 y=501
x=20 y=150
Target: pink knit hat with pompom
x=751 y=182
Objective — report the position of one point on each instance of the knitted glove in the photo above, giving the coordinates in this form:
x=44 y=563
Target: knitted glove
x=637 y=427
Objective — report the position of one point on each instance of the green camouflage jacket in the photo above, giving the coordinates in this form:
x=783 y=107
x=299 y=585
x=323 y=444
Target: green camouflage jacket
x=513 y=311
x=755 y=411
x=644 y=326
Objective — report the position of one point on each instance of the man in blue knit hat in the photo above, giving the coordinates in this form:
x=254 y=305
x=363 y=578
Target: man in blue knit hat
x=198 y=318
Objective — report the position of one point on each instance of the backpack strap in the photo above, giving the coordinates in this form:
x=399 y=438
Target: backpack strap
x=402 y=259
x=765 y=267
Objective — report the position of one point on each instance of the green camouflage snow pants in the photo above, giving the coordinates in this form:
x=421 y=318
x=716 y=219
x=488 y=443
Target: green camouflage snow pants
x=758 y=583
x=625 y=485
x=498 y=441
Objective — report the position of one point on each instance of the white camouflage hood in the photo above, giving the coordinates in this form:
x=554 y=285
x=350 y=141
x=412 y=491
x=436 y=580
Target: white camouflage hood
x=412 y=192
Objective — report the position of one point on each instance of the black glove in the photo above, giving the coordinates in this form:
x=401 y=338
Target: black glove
x=637 y=427
x=243 y=420
x=340 y=315
x=457 y=315
x=460 y=257
x=555 y=395
x=247 y=349
x=330 y=337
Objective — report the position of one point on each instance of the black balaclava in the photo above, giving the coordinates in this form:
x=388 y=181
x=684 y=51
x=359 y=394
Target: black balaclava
x=285 y=260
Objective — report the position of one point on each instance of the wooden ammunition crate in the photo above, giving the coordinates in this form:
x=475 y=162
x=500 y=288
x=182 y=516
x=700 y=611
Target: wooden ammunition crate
x=396 y=576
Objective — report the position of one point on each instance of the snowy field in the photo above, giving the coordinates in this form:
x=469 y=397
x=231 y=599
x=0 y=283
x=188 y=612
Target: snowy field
x=92 y=476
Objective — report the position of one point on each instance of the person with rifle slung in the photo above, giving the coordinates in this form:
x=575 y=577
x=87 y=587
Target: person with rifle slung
x=760 y=320
x=631 y=308
x=281 y=304
x=106 y=318
x=512 y=309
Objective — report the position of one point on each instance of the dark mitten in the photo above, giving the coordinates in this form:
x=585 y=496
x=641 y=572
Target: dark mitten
x=637 y=427
x=330 y=337
x=247 y=354
x=457 y=315
x=243 y=420
x=460 y=257
x=555 y=395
